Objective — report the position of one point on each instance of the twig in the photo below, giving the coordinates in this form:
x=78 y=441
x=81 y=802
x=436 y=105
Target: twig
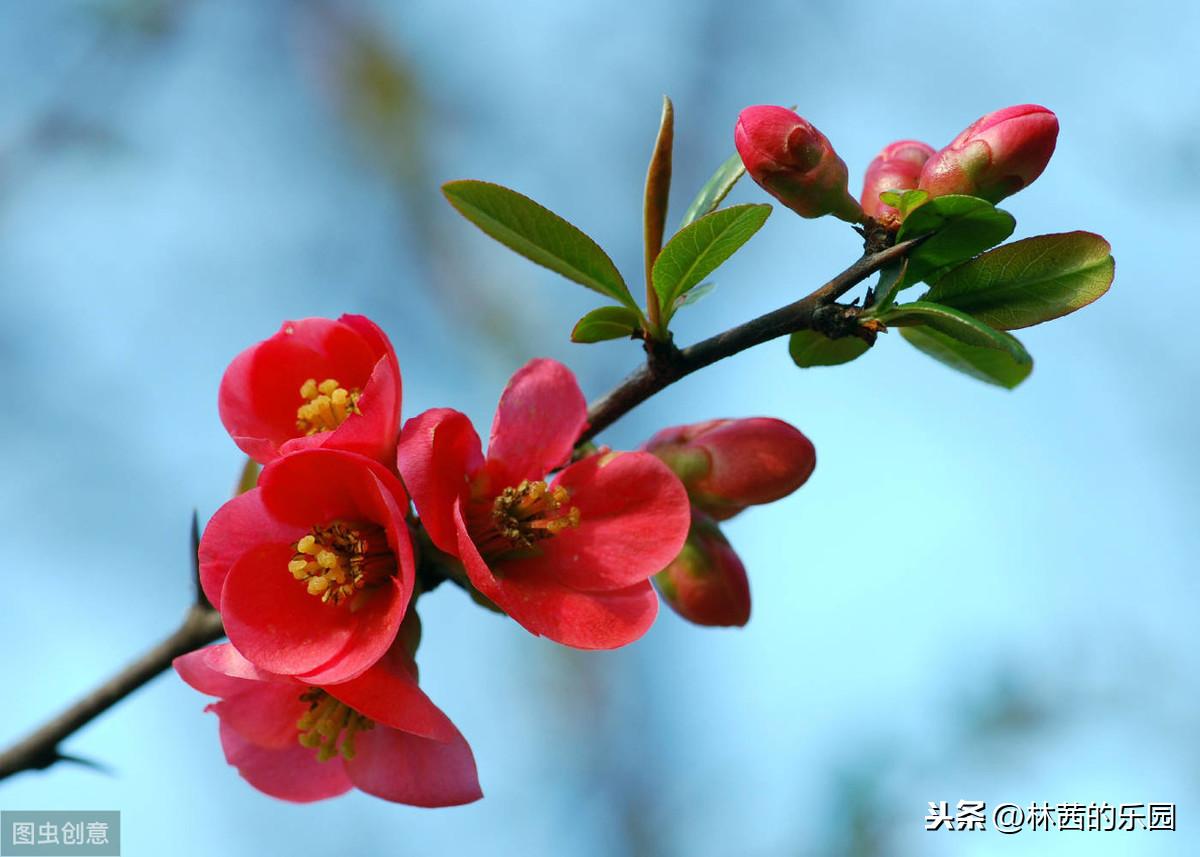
x=801 y=315
x=40 y=749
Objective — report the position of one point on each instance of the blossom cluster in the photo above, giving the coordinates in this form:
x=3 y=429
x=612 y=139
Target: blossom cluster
x=316 y=570
x=994 y=157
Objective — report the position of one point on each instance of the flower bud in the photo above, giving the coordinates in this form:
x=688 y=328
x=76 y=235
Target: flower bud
x=996 y=156
x=706 y=583
x=794 y=162
x=898 y=168
x=727 y=465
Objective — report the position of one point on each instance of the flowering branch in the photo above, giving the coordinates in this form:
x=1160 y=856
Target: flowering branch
x=202 y=624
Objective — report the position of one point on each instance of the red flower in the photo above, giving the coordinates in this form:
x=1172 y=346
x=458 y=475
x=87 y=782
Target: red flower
x=303 y=743
x=313 y=569
x=316 y=383
x=570 y=560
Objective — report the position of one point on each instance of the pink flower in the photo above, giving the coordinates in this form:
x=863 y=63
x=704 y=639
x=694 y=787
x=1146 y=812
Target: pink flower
x=313 y=569
x=794 y=162
x=569 y=560
x=706 y=583
x=315 y=383
x=995 y=156
x=300 y=742
x=727 y=465
x=896 y=168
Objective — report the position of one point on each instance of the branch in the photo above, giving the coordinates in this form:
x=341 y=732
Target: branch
x=40 y=749
x=804 y=314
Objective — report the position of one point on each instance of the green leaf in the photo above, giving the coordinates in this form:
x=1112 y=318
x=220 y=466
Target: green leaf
x=1029 y=281
x=809 y=348
x=658 y=186
x=715 y=189
x=890 y=277
x=694 y=295
x=538 y=234
x=910 y=200
x=607 y=322
x=987 y=364
x=955 y=324
x=890 y=197
x=962 y=227
x=699 y=248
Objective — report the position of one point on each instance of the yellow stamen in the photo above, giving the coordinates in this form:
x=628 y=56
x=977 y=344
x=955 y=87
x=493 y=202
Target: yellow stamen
x=326 y=406
x=329 y=726
x=342 y=559
x=525 y=514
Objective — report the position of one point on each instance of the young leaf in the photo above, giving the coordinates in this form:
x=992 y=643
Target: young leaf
x=1029 y=281
x=698 y=249
x=963 y=226
x=654 y=210
x=538 y=234
x=715 y=189
x=809 y=348
x=890 y=278
x=987 y=364
x=911 y=200
x=607 y=322
x=955 y=324
x=694 y=295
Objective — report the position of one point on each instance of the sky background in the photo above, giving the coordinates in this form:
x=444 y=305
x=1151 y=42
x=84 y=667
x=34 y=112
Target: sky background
x=979 y=595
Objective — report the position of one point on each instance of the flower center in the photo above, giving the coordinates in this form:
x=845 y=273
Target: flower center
x=326 y=406
x=524 y=515
x=342 y=559
x=329 y=726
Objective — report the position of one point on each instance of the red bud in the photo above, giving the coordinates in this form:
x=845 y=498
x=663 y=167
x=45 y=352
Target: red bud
x=706 y=583
x=794 y=162
x=898 y=168
x=727 y=465
x=995 y=156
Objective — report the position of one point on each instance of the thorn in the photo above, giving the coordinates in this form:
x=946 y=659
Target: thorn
x=201 y=598
x=99 y=767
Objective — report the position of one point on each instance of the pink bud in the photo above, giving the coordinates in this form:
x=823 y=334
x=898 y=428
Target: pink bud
x=706 y=583
x=727 y=465
x=897 y=167
x=996 y=156
x=794 y=162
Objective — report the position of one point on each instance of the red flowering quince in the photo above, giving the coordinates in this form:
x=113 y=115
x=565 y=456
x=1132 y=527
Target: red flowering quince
x=313 y=569
x=299 y=742
x=569 y=560
x=315 y=383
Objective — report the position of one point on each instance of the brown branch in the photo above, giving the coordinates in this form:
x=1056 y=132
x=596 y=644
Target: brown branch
x=665 y=365
x=40 y=749
x=814 y=310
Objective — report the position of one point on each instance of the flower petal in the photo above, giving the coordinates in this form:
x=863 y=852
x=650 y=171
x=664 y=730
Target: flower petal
x=317 y=486
x=634 y=519
x=220 y=671
x=292 y=773
x=273 y=621
x=438 y=452
x=400 y=767
x=541 y=414
x=241 y=524
x=264 y=714
x=543 y=606
x=389 y=695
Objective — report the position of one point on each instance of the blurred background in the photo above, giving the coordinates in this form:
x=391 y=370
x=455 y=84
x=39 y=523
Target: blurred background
x=980 y=595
